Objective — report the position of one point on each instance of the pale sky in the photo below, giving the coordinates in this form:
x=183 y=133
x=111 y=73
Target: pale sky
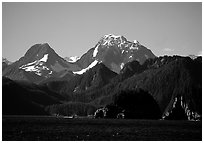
x=71 y=29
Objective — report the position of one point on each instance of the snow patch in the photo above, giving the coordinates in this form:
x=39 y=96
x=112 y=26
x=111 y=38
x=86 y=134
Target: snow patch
x=122 y=65
x=50 y=72
x=72 y=59
x=76 y=89
x=162 y=60
x=36 y=66
x=133 y=47
x=130 y=57
x=111 y=39
x=111 y=35
x=44 y=59
x=30 y=68
x=84 y=70
x=95 y=51
x=136 y=42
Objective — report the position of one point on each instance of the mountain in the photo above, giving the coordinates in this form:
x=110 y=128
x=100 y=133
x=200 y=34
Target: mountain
x=4 y=60
x=94 y=78
x=174 y=82
x=86 y=59
x=112 y=74
x=74 y=90
x=5 y=63
x=39 y=63
x=72 y=59
x=114 y=52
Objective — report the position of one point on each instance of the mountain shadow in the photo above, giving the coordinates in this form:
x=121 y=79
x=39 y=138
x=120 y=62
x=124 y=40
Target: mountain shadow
x=24 y=98
x=137 y=104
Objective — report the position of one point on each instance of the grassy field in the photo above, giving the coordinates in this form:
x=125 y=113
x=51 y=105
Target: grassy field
x=51 y=128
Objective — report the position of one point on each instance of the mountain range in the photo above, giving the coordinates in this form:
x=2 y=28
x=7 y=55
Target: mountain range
x=114 y=73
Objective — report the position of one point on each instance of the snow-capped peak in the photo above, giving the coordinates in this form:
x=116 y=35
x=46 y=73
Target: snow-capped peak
x=111 y=39
x=119 y=41
x=112 y=35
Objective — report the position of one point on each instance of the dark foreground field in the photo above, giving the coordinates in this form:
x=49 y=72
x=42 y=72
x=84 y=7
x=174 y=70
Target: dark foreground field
x=51 y=128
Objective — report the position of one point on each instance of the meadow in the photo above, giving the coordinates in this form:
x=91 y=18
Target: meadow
x=46 y=128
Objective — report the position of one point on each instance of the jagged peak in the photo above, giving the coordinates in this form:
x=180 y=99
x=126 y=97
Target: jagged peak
x=112 y=39
x=112 y=35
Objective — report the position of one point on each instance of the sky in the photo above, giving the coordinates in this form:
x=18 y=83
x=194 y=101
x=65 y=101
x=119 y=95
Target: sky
x=71 y=29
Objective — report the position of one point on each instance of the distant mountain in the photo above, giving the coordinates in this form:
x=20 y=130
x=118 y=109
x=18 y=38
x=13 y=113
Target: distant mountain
x=5 y=63
x=114 y=52
x=4 y=60
x=72 y=59
x=39 y=63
